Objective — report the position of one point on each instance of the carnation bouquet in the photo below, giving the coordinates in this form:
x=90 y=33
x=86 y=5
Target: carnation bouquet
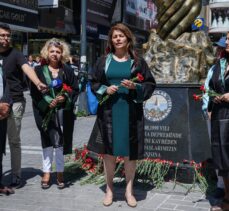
x=65 y=89
x=209 y=92
x=148 y=170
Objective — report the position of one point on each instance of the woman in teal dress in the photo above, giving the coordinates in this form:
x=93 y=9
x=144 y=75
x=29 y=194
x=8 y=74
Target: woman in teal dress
x=120 y=109
x=119 y=126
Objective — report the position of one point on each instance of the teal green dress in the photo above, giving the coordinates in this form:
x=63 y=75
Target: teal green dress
x=116 y=72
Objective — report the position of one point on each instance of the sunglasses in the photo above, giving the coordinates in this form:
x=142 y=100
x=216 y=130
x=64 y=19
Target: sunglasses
x=55 y=43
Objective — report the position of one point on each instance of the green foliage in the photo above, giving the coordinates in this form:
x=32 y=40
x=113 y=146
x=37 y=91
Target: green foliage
x=81 y=113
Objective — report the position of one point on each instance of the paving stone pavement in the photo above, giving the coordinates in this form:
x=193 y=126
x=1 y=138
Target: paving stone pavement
x=30 y=197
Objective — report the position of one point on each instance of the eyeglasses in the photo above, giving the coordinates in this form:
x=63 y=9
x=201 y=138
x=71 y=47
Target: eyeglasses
x=8 y=36
x=55 y=43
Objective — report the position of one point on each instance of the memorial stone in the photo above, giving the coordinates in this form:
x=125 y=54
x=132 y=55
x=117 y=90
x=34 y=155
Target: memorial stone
x=174 y=125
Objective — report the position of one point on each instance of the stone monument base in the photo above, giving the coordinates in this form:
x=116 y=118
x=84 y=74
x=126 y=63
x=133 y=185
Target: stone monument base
x=175 y=127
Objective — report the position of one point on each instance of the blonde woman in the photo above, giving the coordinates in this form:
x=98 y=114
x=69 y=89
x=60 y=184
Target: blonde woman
x=56 y=136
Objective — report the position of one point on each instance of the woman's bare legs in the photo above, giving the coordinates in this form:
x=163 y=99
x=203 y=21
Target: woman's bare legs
x=109 y=169
x=130 y=168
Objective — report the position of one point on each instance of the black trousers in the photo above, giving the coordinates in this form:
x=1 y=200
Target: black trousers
x=223 y=173
x=3 y=128
x=1 y=158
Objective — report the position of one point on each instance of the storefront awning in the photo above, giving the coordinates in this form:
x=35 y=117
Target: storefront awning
x=51 y=31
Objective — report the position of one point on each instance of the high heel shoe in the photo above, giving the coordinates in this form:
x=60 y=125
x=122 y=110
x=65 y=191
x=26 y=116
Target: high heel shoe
x=60 y=180
x=45 y=182
x=131 y=201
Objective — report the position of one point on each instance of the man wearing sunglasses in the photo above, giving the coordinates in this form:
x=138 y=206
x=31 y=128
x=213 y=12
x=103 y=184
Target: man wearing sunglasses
x=14 y=65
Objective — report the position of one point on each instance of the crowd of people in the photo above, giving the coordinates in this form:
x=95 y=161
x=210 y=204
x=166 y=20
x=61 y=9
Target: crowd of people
x=54 y=90
x=53 y=105
x=34 y=62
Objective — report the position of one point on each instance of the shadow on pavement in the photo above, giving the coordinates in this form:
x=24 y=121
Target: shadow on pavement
x=27 y=173
x=73 y=174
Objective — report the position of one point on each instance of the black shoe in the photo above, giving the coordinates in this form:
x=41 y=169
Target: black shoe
x=5 y=190
x=16 y=183
x=218 y=193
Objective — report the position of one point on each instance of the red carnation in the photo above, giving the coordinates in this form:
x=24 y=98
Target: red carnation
x=67 y=88
x=202 y=88
x=140 y=77
x=196 y=97
x=88 y=160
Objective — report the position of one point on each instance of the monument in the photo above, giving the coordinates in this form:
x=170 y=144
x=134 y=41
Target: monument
x=179 y=60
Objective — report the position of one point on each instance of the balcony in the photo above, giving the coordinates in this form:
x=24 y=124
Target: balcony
x=218 y=16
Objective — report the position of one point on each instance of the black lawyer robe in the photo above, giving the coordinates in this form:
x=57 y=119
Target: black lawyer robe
x=220 y=117
x=68 y=116
x=101 y=138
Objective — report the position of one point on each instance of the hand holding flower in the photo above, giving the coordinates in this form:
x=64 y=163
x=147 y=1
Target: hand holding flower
x=217 y=99
x=208 y=92
x=225 y=97
x=56 y=101
x=60 y=98
x=53 y=104
x=112 y=89
x=128 y=84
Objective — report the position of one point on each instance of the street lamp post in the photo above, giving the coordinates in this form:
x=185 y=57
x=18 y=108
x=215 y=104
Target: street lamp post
x=83 y=35
x=83 y=59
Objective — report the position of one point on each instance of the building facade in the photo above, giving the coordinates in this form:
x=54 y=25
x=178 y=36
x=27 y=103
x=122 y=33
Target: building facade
x=216 y=14
x=33 y=26
x=22 y=16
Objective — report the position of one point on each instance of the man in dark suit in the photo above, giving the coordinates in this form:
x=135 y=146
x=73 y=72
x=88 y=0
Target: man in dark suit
x=5 y=106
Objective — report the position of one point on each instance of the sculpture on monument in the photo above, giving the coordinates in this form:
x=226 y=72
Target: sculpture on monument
x=173 y=54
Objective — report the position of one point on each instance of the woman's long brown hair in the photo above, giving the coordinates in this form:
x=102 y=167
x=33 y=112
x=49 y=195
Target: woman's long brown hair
x=130 y=40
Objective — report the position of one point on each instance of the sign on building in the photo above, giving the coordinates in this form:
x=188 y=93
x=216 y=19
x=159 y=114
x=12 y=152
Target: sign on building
x=100 y=11
x=140 y=13
x=19 y=18
x=48 y=3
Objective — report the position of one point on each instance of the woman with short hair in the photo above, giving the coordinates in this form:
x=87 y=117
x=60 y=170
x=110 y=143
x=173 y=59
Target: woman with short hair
x=58 y=134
